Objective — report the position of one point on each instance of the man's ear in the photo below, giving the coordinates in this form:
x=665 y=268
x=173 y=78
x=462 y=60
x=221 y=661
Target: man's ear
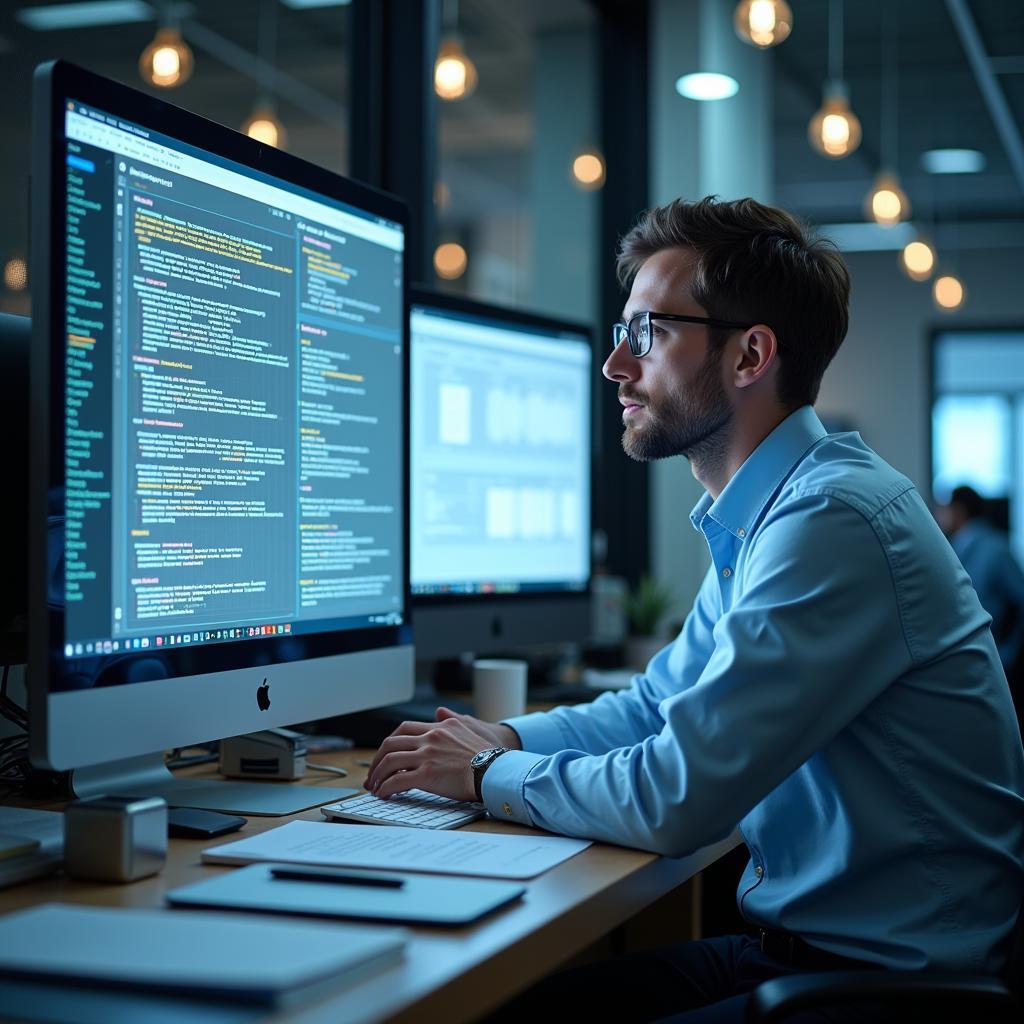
x=757 y=355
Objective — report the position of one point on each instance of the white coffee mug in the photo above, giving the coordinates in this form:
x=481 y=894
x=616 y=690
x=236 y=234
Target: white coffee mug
x=499 y=688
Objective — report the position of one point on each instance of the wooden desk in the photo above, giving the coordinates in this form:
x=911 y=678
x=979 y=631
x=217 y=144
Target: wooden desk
x=448 y=974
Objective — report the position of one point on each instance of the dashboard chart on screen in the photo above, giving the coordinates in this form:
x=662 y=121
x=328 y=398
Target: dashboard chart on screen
x=501 y=477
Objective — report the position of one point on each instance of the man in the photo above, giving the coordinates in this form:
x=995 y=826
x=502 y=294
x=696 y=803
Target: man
x=985 y=553
x=835 y=690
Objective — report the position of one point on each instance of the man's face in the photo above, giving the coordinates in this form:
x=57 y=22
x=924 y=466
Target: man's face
x=673 y=398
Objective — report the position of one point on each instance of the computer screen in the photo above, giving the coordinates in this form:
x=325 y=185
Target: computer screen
x=501 y=470
x=219 y=478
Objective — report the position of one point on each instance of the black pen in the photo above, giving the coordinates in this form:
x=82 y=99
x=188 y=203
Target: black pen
x=299 y=874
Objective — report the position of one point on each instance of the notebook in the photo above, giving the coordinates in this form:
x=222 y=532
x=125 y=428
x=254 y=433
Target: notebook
x=213 y=956
x=429 y=899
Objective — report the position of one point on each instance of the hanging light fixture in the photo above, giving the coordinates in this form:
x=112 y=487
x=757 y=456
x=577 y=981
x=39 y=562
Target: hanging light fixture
x=167 y=61
x=15 y=274
x=918 y=259
x=450 y=261
x=948 y=292
x=263 y=124
x=588 y=170
x=763 y=23
x=454 y=73
x=887 y=204
x=834 y=130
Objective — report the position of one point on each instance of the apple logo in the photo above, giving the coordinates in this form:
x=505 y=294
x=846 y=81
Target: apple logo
x=263 y=696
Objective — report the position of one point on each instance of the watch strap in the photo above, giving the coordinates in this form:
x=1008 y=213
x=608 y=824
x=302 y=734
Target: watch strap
x=480 y=763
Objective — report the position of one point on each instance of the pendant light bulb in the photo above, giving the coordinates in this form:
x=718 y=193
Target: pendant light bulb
x=918 y=259
x=450 y=261
x=454 y=73
x=834 y=130
x=266 y=127
x=887 y=204
x=167 y=61
x=763 y=23
x=948 y=292
x=588 y=170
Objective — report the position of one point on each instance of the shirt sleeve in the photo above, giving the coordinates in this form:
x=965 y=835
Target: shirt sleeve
x=812 y=638
x=627 y=716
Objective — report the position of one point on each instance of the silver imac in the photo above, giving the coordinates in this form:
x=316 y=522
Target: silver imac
x=218 y=480
x=501 y=478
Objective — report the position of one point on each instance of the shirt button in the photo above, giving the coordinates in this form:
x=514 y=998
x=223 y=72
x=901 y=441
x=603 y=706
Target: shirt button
x=759 y=871
x=741 y=533
x=508 y=810
x=727 y=572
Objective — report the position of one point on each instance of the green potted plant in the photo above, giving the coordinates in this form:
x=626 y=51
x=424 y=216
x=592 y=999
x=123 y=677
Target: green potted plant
x=646 y=607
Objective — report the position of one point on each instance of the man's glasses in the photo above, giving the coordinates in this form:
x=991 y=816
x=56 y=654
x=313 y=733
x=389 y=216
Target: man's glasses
x=637 y=330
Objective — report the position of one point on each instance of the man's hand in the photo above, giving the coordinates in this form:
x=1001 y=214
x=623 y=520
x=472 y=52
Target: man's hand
x=435 y=756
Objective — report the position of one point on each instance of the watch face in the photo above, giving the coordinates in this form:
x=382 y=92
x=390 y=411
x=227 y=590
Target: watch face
x=483 y=757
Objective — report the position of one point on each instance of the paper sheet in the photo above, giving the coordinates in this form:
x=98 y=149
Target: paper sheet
x=399 y=848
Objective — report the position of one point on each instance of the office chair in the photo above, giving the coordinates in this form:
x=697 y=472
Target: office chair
x=943 y=997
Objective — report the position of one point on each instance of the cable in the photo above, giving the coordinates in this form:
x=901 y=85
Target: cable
x=327 y=768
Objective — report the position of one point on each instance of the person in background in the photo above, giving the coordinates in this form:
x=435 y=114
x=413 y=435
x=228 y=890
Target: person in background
x=984 y=551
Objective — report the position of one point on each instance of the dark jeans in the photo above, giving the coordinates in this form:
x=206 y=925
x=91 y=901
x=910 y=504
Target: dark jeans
x=702 y=982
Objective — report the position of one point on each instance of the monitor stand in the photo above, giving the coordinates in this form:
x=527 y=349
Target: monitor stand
x=148 y=776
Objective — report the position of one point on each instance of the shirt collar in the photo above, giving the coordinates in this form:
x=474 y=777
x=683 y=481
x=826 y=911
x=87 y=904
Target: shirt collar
x=744 y=497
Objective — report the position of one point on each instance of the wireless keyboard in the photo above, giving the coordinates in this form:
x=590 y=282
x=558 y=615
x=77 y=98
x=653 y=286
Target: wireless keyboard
x=416 y=808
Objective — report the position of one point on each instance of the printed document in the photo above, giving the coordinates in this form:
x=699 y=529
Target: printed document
x=400 y=848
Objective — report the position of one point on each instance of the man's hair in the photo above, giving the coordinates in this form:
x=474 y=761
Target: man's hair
x=755 y=264
x=969 y=500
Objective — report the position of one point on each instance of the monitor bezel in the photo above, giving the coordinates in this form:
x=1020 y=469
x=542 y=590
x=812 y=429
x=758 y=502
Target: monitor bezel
x=55 y=83
x=421 y=295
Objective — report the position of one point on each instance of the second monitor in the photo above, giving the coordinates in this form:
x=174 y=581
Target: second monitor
x=501 y=478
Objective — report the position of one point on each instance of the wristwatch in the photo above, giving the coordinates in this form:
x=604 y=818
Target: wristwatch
x=480 y=763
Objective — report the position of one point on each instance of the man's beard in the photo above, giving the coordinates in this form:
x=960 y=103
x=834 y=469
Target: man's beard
x=690 y=421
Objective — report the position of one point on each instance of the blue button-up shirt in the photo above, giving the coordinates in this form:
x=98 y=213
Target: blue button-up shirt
x=985 y=553
x=836 y=693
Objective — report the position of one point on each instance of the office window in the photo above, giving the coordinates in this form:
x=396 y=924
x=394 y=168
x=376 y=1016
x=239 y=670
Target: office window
x=287 y=52
x=978 y=419
x=505 y=190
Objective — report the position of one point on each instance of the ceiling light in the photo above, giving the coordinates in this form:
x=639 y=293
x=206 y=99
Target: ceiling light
x=763 y=23
x=450 y=261
x=948 y=293
x=167 y=61
x=707 y=85
x=953 y=161
x=887 y=203
x=84 y=15
x=834 y=130
x=265 y=126
x=15 y=274
x=454 y=73
x=918 y=259
x=588 y=170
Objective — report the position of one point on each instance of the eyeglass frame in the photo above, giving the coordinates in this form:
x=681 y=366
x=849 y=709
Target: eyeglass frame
x=634 y=343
